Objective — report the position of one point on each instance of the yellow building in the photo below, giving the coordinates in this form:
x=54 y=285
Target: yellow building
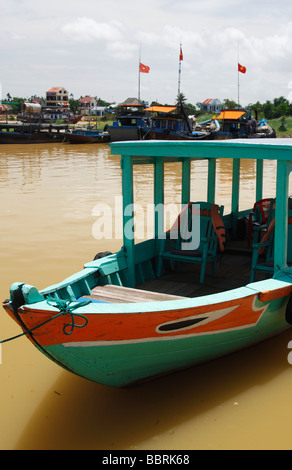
x=57 y=97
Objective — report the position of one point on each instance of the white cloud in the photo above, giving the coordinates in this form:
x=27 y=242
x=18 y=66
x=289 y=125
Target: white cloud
x=87 y=30
x=122 y=50
x=111 y=37
x=80 y=50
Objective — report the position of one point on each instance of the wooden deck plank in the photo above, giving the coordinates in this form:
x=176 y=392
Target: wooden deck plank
x=118 y=294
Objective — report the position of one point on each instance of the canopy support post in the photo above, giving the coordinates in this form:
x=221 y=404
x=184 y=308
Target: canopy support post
x=235 y=195
x=128 y=215
x=158 y=199
x=259 y=180
x=186 y=181
x=281 y=217
x=211 y=180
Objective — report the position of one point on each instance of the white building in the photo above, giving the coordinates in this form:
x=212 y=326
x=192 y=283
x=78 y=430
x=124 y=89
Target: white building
x=86 y=105
x=211 y=105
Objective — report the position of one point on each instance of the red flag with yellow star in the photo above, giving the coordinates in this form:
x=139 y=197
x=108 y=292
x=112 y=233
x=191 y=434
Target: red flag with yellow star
x=144 y=68
x=181 y=57
x=241 y=68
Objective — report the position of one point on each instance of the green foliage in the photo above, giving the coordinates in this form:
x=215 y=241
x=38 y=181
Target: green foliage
x=273 y=109
x=229 y=104
x=282 y=126
x=74 y=104
x=180 y=99
x=101 y=102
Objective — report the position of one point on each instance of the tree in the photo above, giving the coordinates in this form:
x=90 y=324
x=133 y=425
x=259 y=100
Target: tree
x=229 y=104
x=74 y=104
x=280 y=101
x=180 y=99
x=268 y=110
x=101 y=102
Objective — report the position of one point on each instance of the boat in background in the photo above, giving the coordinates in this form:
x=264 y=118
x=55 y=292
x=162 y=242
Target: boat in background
x=239 y=124
x=155 y=307
x=230 y=124
x=172 y=123
x=159 y=123
x=131 y=122
x=30 y=133
x=34 y=113
x=87 y=136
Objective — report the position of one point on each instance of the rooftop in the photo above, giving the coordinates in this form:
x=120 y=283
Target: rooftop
x=86 y=99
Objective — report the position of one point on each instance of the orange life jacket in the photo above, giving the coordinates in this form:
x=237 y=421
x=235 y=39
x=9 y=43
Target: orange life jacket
x=216 y=221
x=268 y=232
x=218 y=226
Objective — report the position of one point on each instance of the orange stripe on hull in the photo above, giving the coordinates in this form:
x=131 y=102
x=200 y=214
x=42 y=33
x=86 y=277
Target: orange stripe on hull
x=223 y=316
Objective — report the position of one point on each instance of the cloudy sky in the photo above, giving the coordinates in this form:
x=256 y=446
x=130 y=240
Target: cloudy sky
x=91 y=47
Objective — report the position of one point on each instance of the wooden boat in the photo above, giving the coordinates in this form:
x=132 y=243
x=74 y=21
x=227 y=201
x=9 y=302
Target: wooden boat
x=239 y=124
x=130 y=122
x=115 y=322
x=170 y=123
x=128 y=126
x=159 y=123
x=16 y=133
x=74 y=119
x=87 y=136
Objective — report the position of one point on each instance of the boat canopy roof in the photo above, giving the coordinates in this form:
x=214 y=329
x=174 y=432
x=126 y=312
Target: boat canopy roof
x=231 y=114
x=161 y=109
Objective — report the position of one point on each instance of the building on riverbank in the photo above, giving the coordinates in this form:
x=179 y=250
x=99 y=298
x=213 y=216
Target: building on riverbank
x=57 y=97
x=211 y=105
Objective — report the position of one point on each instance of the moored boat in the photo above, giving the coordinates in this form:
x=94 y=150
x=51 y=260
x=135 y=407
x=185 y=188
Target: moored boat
x=87 y=136
x=160 y=123
x=107 y=324
x=22 y=133
x=173 y=123
x=130 y=123
x=239 y=124
x=168 y=123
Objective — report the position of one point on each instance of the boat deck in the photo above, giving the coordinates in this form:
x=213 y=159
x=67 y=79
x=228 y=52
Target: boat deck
x=233 y=271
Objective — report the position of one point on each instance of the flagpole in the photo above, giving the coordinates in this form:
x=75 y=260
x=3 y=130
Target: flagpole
x=179 y=71
x=238 y=72
x=139 y=72
x=238 y=89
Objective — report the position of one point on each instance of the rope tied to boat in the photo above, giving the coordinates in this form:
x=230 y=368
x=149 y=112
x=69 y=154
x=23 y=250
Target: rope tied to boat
x=65 y=308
